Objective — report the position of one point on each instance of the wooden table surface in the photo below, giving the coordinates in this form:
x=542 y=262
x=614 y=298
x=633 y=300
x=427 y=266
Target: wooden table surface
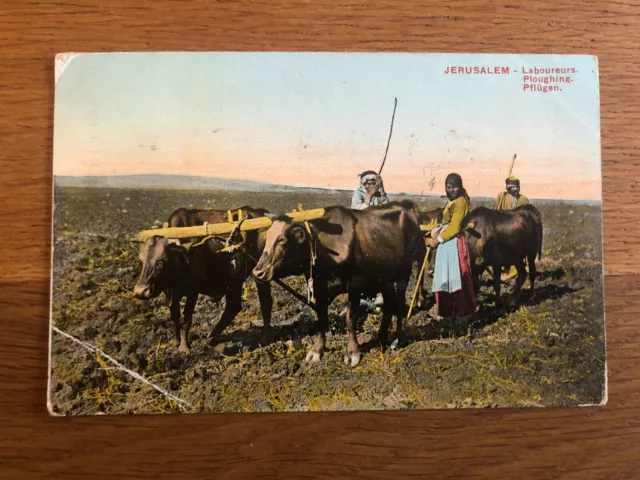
x=578 y=443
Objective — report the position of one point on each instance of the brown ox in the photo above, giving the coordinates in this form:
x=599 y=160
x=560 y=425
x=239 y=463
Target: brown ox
x=203 y=269
x=502 y=238
x=348 y=251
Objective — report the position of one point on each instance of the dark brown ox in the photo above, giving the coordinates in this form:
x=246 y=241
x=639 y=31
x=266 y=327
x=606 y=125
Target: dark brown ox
x=204 y=269
x=500 y=239
x=356 y=252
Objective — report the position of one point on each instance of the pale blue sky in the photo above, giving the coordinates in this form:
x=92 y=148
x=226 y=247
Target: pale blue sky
x=319 y=119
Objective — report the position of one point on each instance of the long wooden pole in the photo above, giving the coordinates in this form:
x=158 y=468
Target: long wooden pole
x=513 y=162
x=393 y=116
x=294 y=293
x=225 y=228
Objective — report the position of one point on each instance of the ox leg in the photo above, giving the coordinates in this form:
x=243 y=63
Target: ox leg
x=428 y=272
x=532 y=273
x=233 y=305
x=388 y=309
x=189 y=307
x=174 y=307
x=497 y=284
x=266 y=306
x=322 y=311
x=476 y=273
x=423 y=292
x=522 y=277
x=353 y=356
x=401 y=309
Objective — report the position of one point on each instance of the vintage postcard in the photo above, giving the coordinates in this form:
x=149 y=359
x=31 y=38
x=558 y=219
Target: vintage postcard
x=272 y=232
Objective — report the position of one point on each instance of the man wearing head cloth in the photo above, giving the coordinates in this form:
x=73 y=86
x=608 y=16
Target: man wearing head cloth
x=508 y=200
x=371 y=191
x=511 y=197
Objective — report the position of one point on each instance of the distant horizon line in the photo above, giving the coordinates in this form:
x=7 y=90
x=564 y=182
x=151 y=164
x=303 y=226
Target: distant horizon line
x=257 y=183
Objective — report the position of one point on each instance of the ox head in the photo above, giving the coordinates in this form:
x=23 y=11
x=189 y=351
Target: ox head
x=431 y=218
x=161 y=259
x=286 y=250
x=471 y=232
x=475 y=243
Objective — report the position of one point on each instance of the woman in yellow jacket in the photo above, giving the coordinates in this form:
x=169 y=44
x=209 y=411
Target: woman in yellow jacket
x=452 y=278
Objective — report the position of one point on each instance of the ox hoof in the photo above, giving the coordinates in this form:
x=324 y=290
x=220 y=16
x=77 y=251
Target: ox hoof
x=313 y=357
x=352 y=359
x=265 y=339
x=399 y=342
x=184 y=349
x=513 y=304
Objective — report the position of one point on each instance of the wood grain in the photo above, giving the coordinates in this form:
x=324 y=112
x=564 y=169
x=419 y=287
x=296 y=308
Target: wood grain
x=578 y=443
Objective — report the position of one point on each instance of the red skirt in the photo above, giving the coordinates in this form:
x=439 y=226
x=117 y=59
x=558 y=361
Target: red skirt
x=461 y=302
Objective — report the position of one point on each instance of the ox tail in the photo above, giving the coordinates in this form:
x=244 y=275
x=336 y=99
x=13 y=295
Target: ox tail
x=167 y=297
